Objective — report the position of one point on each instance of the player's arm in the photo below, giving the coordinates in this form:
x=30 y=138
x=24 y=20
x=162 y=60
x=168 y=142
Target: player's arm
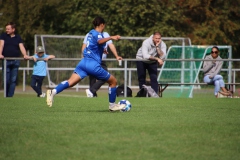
x=162 y=50
x=217 y=69
x=1 y=48
x=207 y=65
x=23 y=51
x=114 y=51
x=33 y=58
x=51 y=56
x=84 y=45
x=160 y=61
x=145 y=46
x=103 y=40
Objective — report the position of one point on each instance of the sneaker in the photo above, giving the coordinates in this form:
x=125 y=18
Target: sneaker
x=224 y=95
x=49 y=98
x=116 y=107
x=220 y=95
x=42 y=95
x=89 y=93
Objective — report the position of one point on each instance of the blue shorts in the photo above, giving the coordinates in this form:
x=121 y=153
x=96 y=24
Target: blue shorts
x=91 y=67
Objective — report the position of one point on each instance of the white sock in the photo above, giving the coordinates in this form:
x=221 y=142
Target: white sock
x=111 y=104
x=54 y=92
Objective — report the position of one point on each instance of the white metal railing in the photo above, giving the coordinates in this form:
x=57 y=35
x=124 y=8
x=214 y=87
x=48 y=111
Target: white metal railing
x=127 y=71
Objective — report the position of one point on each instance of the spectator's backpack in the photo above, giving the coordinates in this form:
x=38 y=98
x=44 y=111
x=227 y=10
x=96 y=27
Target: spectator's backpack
x=120 y=91
x=147 y=92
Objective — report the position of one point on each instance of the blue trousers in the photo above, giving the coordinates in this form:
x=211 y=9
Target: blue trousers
x=12 y=73
x=217 y=81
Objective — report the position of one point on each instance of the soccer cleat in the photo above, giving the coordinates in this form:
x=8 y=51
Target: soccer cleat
x=116 y=107
x=89 y=93
x=49 y=98
x=42 y=95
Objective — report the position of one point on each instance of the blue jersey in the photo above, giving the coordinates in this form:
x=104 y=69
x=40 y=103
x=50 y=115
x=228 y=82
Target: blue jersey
x=94 y=50
x=39 y=67
x=105 y=35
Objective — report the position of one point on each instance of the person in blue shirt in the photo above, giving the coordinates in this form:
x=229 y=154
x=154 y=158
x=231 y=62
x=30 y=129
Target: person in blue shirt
x=91 y=65
x=39 y=70
x=95 y=84
x=11 y=45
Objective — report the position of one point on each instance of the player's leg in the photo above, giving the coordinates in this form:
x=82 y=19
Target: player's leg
x=8 y=69
x=224 y=91
x=78 y=74
x=89 y=92
x=152 y=70
x=210 y=81
x=97 y=85
x=73 y=80
x=39 y=85
x=216 y=88
x=112 y=94
x=101 y=74
x=33 y=84
x=141 y=71
x=13 y=77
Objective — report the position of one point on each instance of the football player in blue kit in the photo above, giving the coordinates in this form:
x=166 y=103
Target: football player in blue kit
x=91 y=65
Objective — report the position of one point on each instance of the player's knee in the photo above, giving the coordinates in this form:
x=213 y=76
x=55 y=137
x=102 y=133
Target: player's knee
x=112 y=81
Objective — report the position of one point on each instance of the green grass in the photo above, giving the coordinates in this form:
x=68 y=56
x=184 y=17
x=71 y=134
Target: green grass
x=155 y=128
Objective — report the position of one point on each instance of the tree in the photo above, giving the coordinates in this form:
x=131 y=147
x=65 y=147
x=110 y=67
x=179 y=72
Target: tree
x=206 y=22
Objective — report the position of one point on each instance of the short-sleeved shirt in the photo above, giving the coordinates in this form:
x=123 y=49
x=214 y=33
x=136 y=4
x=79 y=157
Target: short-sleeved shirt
x=39 y=67
x=93 y=49
x=92 y=58
x=105 y=35
x=11 y=45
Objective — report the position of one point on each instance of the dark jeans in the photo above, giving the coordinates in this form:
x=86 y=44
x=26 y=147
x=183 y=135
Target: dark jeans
x=12 y=73
x=152 y=71
x=96 y=84
x=36 y=84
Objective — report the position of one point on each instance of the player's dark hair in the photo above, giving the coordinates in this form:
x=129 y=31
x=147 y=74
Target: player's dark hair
x=97 y=21
x=13 y=25
x=215 y=48
x=157 y=33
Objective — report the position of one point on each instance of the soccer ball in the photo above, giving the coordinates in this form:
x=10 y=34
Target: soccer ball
x=127 y=104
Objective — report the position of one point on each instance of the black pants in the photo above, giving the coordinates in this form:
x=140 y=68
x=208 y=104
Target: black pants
x=152 y=71
x=96 y=84
x=36 y=84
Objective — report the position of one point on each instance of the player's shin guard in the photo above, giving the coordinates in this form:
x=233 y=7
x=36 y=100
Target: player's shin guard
x=63 y=85
x=112 y=93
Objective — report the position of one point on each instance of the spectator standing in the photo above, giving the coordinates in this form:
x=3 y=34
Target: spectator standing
x=11 y=45
x=154 y=50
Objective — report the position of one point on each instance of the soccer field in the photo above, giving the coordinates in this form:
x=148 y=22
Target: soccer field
x=81 y=128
